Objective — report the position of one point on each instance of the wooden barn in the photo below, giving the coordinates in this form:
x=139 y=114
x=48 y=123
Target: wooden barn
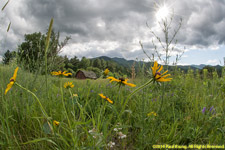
x=81 y=74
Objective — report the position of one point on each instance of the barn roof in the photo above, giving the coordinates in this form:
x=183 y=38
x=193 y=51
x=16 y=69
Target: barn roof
x=89 y=74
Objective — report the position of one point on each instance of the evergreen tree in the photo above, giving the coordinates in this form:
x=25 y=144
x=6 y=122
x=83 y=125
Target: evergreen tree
x=8 y=56
x=84 y=63
x=104 y=64
x=97 y=63
x=74 y=63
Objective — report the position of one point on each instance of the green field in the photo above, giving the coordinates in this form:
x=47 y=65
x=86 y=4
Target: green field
x=188 y=110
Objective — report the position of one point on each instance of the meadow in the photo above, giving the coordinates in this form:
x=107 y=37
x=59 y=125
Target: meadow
x=187 y=110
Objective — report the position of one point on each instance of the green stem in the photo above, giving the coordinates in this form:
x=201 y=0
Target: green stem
x=42 y=108
x=135 y=91
x=64 y=104
x=46 y=52
x=72 y=103
x=143 y=121
x=160 y=108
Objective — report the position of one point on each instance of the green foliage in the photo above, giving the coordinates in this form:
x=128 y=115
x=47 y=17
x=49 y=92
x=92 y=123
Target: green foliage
x=97 y=63
x=31 y=52
x=94 y=122
x=8 y=56
x=103 y=64
x=74 y=63
x=84 y=63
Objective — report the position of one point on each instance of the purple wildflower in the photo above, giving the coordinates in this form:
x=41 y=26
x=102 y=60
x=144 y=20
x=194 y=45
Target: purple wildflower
x=154 y=99
x=203 y=110
x=214 y=112
x=211 y=108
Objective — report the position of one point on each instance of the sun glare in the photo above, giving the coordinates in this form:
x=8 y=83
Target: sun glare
x=162 y=13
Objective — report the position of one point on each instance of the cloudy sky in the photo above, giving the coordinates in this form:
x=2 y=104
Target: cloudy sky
x=114 y=27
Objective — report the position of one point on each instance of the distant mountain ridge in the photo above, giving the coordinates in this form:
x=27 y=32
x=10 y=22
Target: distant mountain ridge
x=129 y=63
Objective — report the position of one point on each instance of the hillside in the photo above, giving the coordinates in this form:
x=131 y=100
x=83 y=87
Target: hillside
x=128 y=63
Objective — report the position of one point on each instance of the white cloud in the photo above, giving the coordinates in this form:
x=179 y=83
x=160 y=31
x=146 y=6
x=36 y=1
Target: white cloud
x=213 y=62
x=184 y=56
x=106 y=27
x=90 y=49
x=183 y=64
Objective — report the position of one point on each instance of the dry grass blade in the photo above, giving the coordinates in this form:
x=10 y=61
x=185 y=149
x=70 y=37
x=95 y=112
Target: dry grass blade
x=46 y=49
x=48 y=36
x=9 y=27
x=5 y=5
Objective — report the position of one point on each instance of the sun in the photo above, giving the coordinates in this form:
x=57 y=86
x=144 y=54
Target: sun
x=162 y=13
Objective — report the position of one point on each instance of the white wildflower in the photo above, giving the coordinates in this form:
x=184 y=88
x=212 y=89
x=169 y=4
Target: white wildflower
x=111 y=144
x=121 y=135
x=92 y=130
x=115 y=129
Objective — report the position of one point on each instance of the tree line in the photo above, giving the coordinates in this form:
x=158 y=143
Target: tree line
x=30 y=56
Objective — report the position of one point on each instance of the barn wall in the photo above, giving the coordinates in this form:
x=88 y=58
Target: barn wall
x=80 y=75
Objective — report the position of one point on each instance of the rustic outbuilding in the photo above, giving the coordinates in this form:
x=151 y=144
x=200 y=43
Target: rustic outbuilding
x=82 y=74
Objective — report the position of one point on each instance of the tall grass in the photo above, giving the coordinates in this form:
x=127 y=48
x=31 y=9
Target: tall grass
x=94 y=122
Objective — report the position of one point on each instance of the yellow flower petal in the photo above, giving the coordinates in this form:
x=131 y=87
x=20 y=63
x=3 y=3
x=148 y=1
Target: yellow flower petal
x=9 y=86
x=109 y=100
x=106 y=72
x=164 y=72
x=152 y=113
x=15 y=74
x=75 y=95
x=165 y=76
x=106 y=98
x=121 y=81
x=60 y=73
x=129 y=84
x=157 y=76
x=12 y=81
x=111 y=78
x=68 y=85
x=160 y=69
x=164 y=80
x=56 y=123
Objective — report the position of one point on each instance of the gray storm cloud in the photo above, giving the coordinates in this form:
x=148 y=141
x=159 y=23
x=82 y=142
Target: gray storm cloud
x=92 y=24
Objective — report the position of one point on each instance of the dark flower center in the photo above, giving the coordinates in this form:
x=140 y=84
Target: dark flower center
x=12 y=80
x=157 y=73
x=121 y=79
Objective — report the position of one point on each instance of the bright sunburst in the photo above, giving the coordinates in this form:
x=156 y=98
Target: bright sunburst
x=162 y=13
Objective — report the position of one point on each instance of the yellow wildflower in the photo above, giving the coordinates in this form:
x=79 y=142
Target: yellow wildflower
x=75 y=95
x=68 y=85
x=152 y=113
x=60 y=73
x=56 y=123
x=157 y=75
x=106 y=72
x=104 y=97
x=121 y=81
x=11 y=81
